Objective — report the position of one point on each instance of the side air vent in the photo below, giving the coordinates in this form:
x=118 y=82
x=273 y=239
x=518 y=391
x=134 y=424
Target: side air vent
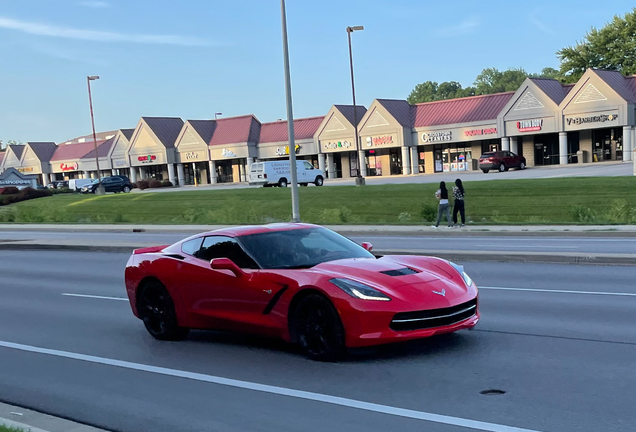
x=400 y=272
x=176 y=256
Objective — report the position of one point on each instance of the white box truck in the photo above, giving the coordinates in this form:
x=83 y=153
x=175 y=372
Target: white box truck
x=278 y=173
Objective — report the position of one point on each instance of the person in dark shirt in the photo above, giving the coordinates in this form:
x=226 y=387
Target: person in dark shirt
x=458 y=206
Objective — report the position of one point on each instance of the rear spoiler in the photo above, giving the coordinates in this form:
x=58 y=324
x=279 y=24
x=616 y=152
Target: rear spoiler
x=152 y=249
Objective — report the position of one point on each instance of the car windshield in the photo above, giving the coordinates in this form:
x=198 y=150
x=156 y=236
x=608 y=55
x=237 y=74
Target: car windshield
x=300 y=248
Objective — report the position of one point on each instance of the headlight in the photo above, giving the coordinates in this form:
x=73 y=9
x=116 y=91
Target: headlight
x=359 y=290
x=460 y=270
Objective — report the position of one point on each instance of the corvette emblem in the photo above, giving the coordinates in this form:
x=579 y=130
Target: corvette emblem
x=267 y=291
x=442 y=293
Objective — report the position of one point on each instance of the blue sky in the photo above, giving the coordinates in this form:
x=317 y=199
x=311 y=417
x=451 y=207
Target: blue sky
x=192 y=58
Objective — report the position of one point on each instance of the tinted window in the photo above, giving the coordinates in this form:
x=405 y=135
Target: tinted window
x=107 y=180
x=487 y=155
x=300 y=248
x=308 y=166
x=191 y=247
x=225 y=247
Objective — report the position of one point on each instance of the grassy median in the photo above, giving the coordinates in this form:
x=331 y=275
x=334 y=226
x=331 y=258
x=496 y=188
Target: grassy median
x=601 y=200
x=4 y=428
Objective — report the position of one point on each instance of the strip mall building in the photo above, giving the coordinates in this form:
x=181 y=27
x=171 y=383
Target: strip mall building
x=545 y=121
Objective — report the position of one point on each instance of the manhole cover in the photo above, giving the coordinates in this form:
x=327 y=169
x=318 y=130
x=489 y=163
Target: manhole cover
x=492 y=392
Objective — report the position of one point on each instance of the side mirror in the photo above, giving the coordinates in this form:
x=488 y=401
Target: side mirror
x=226 y=264
x=368 y=246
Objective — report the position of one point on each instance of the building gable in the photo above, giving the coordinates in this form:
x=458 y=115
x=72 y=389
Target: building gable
x=11 y=159
x=376 y=119
x=120 y=148
x=589 y=94
x=29 y=157
x=334 y=125
x=528 y=101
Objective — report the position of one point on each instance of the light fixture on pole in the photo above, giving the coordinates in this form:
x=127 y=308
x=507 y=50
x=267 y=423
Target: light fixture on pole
x=359 y=179
x=290 y=120
x=100 y=188
x=216 y=115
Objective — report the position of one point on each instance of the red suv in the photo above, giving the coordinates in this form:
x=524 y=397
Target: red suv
x=501 y=161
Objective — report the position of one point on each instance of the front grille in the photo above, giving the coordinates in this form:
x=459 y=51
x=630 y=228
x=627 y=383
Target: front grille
x=433 y=318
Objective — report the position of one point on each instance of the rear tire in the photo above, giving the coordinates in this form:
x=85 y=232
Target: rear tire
x=319 y=181
x=485 y=171
x=156 y=310
x=282 y=182
x=522 y=166
x=126 y=189
x=502 y=168
x=319 y=330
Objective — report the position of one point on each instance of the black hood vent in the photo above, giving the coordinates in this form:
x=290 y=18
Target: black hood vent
x=400 y=272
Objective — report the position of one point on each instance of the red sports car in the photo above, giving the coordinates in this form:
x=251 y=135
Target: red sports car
x=302 y=283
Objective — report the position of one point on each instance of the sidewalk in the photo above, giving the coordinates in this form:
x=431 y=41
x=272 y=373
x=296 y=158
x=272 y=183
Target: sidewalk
x=33 y=421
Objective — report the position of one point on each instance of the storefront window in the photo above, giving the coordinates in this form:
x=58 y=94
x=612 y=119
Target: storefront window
x=154 y=172
x=573 y=147
x=353 y=164
x=395 y=156
x=224 y=172
x=493 y=145
x=546 y=149
x=374 y=163
x=607 y=144
x=421 y=162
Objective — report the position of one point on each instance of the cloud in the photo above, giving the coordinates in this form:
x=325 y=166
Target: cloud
x=540 y=25
x=465 y=27
x=64 y=53
x=40 y=29
x=95 y=4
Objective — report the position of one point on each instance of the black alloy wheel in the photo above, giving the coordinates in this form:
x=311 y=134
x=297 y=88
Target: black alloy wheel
x=282 y=182
x=319 y=330
x=319 y=181
x=156 y=310
x=502 y=168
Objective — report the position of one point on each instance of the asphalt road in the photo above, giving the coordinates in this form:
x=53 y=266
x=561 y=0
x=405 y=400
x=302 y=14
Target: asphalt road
x=563 y=350
x=592 y=245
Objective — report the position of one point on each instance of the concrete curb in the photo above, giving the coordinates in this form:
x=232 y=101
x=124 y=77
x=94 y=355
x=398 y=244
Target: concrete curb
x=45 y=422
x=452 y=255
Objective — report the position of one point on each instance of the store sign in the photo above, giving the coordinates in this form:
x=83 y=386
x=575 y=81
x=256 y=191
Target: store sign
x=571 y=121
x=121 y=163
x=67 y=167
x=478 y=132
x=379 y=141
x=227 y=153
x=26 y=170
x=283 y=151
x=429 y=137
x=191 y=155
x=15 y=182
x=338 y=145
x=147 y=159
x=530 y=125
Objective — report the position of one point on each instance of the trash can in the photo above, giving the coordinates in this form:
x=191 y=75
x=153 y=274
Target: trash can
x=582 y=156
x=475 y=164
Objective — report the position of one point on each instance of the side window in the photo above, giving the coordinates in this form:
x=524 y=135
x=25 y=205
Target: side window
x=107 y=181
x=192 y=247
x=225 y=247
x=308 y=166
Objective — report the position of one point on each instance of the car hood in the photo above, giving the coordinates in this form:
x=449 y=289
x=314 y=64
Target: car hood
x=412 y=279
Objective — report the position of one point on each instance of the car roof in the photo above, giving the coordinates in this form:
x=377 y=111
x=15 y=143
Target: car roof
x=257 y=229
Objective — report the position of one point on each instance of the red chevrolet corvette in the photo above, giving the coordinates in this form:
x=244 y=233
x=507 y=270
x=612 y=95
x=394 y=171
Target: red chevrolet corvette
x=302 y=283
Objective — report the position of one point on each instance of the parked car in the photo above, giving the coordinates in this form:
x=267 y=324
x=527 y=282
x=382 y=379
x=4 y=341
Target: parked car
x=278 y=173
x=52 y=185
x=62 y=184
x=501 y=161
x=78 y=184
x=111 y=184
x=298 y=282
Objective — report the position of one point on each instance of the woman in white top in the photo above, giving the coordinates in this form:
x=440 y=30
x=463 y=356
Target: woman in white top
x=444 y=206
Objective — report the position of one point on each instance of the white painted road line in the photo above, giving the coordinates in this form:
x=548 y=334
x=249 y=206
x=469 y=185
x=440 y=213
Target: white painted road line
x=560 y=291
x=281 y=391
x=95 y=297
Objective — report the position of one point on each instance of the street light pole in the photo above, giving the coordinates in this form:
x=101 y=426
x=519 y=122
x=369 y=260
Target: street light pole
x=100 y=188
x=359 y=179
x=290 y=120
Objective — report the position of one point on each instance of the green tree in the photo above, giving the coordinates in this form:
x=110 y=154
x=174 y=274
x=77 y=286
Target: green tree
x=424 y=92
x=492 y=80
x=612 y=47
x=3 y=145
x=549 y=72
x=430 y=91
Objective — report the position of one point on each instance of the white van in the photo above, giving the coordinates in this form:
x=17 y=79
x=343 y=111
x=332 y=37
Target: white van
x=77 y=184
x=278 y=173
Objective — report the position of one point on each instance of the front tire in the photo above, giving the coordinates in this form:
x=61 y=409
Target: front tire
x=522 y=166
x=126 y=189
x=485 y=171
x=156 y=310
x=319 y=330
x=319 y=181
x=502 y=168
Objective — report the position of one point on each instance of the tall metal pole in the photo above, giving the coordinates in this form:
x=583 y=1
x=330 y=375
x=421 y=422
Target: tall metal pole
x=99 y=190
x=359 y=179
x=290 y=120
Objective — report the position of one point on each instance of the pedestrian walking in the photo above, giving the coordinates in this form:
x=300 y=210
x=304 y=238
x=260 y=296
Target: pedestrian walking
x=444 y=206
x=458 y=206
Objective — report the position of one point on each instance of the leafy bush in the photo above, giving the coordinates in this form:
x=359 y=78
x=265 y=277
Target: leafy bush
x=166 y=183
x=153 y=184
x=619 y=212
x=10 y=190
x=143 y=184
x=24 y=195
x=582 y=214
x=429 y=212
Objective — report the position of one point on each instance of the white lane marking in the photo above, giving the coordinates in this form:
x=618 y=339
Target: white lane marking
x=526 y=247
x=561 y=291
x=95 y=297
x=281 y=391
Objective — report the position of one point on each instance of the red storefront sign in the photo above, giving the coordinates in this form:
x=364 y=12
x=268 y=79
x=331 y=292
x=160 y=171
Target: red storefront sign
x=476 y=132
x=147 y=159
x=387 y=139
x=530 y=125
x=72 y=167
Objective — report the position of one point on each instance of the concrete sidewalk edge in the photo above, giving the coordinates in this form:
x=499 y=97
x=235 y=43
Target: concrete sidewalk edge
x=482 y=256
x=35 y=421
